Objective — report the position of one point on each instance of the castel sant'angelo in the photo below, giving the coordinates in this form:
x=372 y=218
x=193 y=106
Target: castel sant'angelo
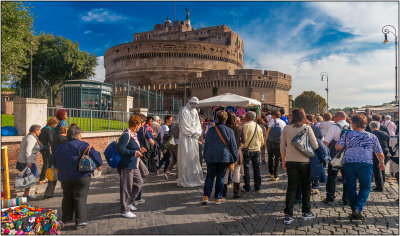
x=208 y=61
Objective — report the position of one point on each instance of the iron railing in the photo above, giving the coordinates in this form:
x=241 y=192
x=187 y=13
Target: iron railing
x=99 y=120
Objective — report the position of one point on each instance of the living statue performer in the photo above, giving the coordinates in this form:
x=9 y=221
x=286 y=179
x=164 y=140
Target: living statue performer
x=190 y=173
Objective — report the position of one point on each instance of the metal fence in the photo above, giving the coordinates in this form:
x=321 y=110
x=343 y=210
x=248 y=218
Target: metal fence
x=37 y=92
x=97 y=120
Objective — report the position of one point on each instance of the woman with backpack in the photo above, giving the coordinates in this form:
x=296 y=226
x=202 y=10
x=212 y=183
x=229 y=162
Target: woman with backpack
x=131 y=180
x=273 y=137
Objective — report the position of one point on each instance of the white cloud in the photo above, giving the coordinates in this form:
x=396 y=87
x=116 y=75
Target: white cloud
x=100 y=71
x=363 y=19
x=87 y=32
x=356 y=77
x=102 y=15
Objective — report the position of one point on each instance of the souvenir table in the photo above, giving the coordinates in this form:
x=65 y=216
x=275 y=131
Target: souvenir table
x=26 y=219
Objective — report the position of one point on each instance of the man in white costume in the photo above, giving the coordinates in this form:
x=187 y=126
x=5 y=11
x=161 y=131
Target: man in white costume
x=190 y=173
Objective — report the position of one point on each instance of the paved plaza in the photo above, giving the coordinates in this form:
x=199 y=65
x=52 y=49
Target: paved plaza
x=170 y=209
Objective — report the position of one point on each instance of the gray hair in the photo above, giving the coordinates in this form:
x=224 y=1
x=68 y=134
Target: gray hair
x=251 y=115
x=73 y=133
x=388 y=117
x=34 y=128
x=374 y=125
x=156 y=118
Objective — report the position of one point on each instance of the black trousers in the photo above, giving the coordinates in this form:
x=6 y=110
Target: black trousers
x=274 y=155
x=254 y=157
x=298 y=171
x=74 y=200
x=331 y=184
x=150 y=160
x=46 y=156
x=379 y=175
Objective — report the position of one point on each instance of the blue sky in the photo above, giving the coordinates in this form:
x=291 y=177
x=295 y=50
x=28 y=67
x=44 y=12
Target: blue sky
x=299 y=38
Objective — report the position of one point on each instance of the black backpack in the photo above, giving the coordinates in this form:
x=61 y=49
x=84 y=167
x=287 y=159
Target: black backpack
x=332 y=144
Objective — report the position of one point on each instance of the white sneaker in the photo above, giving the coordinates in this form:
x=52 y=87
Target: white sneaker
x=129 y=215
x=141 y=201
x=132 y=207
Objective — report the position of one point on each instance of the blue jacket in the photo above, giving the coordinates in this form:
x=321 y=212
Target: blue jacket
x=215 y=150
x=317 y=171
x=323 y=153
x=127 y=150
x=67 y=156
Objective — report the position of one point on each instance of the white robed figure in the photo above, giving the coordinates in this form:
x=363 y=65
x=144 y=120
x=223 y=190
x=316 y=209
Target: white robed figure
x=190 y=173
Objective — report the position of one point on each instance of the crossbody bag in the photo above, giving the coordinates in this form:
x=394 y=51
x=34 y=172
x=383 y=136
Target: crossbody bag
x=246 y=151
x=231 y=166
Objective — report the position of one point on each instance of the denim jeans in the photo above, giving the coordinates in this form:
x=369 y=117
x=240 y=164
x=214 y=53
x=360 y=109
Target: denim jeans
x=298 y=172
x=362 y=172
x=215 y=170
x=254 y=157
x=164 y=161
x=331 y=184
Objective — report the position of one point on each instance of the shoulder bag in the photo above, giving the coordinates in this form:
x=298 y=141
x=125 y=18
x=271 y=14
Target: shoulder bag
x=337 y=161
x=143 y=169
x=302 y=144
x=231 y=166
x=25 y=179
x=86 y=163
x=246 y=151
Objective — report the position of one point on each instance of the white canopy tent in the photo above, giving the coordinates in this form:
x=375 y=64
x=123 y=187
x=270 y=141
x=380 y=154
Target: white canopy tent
x=229 y=99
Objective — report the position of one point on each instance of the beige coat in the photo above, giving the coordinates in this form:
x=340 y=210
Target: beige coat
x=288 y=134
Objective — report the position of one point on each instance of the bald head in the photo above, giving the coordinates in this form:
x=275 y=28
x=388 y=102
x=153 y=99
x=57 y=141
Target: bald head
x=340 y=115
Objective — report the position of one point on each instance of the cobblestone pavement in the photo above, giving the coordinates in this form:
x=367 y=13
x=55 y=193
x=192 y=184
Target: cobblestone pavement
x=170 y=209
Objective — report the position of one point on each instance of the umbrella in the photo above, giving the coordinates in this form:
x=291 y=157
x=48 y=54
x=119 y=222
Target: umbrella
x=229 y=99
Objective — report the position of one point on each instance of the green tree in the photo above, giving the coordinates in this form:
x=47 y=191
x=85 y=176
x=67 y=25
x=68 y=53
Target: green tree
x=58 y=59
x=311 y=102
x=16 y=39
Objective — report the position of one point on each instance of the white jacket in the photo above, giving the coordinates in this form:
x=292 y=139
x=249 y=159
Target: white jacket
x=28 y=149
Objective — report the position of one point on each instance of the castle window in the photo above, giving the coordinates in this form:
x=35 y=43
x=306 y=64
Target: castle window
x=149 y=36
x=208 y=31
x=117 y=50
x=219 y=37
x=262 y=97
x=284 y=76
x=137 y=37
x=212 y=49
x=204 y=48
x=228 y=52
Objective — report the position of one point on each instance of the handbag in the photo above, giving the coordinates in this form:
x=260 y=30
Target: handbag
x=143 y=169
x=25 y=179
x=51 y=173
x=231 y=165
x=246 y=151
x=302 y=144
x=86 y=163
x=337 y=161
x=170 y=143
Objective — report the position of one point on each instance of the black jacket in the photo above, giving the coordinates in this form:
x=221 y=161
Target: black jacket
x=383 y=140
x=46 y=137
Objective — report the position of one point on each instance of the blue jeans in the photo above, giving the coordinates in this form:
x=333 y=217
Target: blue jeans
x=164 y=161
x=331 y=184
x=362 y=172
x=215 y=170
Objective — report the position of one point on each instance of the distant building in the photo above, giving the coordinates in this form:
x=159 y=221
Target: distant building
x=170 y=57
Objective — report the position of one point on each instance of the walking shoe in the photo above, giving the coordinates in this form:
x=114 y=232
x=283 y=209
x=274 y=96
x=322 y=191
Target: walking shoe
x=159 y=171
x=244 y=190
x=327 y=201
x=205 y=200
x=166 y=176
x=307 y=216
x=81 y=225
x=138 y=202
x=220 y=201
x=288 y=219
x=345 y=202
x=276 y=178
x=356 y=215
x=314 y=191
x=271 y=175
x=128 y=215
x=30 y=197
x=236 y=187
x=378 y=190
x=132 y=207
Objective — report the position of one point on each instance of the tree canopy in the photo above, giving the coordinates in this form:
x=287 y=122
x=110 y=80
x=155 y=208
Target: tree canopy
x=16 y=38
x=311 y=102
x=58 y=59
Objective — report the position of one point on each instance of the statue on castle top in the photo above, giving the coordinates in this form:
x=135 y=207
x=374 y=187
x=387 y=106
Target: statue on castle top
x=187 y=13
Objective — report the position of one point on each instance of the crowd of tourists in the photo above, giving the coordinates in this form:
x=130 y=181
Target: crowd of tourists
x=310 y=149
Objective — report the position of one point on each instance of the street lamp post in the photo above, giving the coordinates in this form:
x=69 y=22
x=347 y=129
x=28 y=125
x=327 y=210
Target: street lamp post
x=386 y=30
x=30 y=52
x=324 y=74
